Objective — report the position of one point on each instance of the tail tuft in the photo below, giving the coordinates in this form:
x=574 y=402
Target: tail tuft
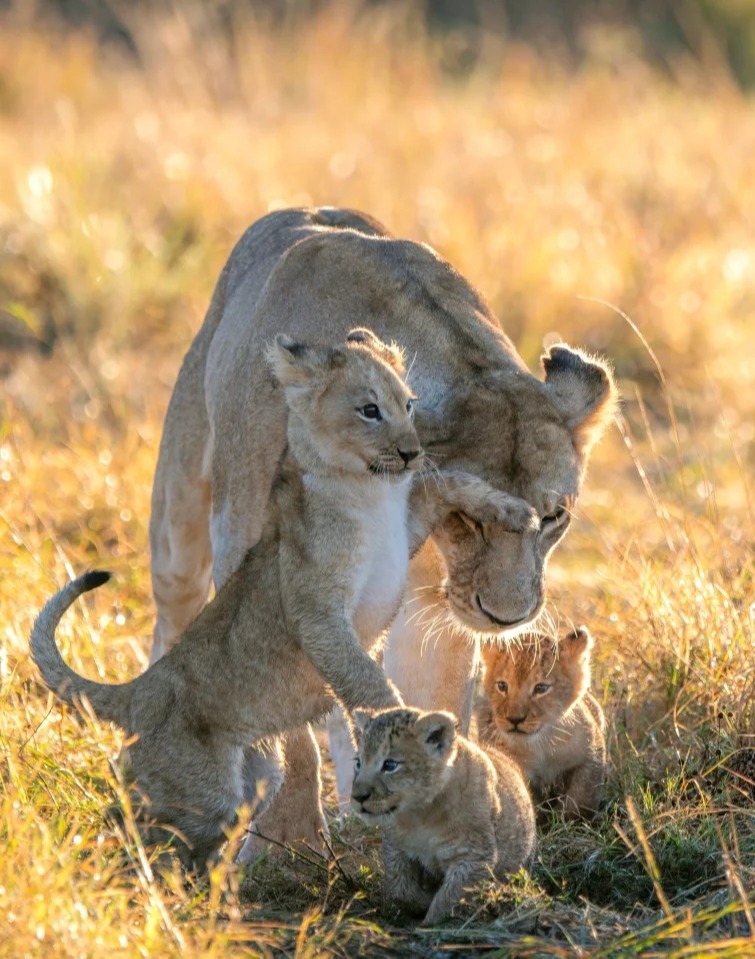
x=94 y=579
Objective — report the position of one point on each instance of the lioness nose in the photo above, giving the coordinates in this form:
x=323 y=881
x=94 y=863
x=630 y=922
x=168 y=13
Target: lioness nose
x=408 y=455
x=361 y=795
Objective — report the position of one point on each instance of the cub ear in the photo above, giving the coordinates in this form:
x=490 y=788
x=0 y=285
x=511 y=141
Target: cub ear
x=296 y=364
x=390 y=353
x=361 y=718
x=437 y=732
x=583 y=389
x=577 y=643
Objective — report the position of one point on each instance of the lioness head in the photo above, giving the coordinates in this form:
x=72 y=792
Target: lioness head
x=532 y=439
x=536 y=682
x=348 y=405
x=495 y=578
x=404 y=760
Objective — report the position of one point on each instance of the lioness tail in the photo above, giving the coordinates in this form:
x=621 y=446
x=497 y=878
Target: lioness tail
x=109 y=702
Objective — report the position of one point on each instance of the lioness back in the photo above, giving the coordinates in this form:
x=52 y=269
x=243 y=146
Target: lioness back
x=451 y=815
x=539 y=712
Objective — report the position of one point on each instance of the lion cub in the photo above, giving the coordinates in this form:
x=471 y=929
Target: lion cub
x=293 y=627
x=540 y=713
x=450 y=813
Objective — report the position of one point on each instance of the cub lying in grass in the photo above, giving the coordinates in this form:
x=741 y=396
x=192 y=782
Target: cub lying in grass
x=293 y=627
x=451 y=814
x=540 y=713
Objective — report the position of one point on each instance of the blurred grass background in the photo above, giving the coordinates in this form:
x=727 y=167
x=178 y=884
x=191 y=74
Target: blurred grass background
x=576 y=167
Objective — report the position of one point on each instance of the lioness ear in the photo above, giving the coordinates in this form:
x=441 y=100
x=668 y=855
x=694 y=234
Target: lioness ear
x=577 y=643
x=297 y=365
x=583 y=389
x=437 y=732
x=390 y=353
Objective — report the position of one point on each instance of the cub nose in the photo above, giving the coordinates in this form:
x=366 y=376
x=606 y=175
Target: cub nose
x=516 y=720
x=361 y=795
x=408 y=455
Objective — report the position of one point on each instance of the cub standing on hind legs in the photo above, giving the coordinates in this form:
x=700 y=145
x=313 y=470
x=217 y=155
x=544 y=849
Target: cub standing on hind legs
x=450 y=814
x=292 y=627
x=540 y=712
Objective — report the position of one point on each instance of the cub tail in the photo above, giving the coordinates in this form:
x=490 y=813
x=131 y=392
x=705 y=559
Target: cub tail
x=108 y=702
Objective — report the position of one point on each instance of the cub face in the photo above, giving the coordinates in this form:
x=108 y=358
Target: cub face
x=536 y=683
x=404 y=759
x=350 y=404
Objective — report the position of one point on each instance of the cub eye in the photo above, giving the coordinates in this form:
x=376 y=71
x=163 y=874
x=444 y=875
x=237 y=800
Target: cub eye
x=502 y=687
x=410 y=405
x=390 y=766
x=540 y=689
x=357 y=764
x=370 y=412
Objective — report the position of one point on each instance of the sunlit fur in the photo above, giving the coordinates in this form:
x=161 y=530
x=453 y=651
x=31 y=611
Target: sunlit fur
x=451 y=815
x=545 y=718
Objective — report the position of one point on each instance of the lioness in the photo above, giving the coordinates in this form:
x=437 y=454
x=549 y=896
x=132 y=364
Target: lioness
x=540 y=712
x=313 y=273
x=451 y=814
x=305 y=606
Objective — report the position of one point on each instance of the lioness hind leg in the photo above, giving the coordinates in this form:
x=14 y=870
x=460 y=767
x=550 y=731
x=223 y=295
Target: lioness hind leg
x=181 y=555
x=295 y=814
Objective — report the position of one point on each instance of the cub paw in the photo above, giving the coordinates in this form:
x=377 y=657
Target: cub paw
x=515 y=514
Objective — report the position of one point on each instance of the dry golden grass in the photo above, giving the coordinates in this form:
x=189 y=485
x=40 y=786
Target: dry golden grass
x=122 y=189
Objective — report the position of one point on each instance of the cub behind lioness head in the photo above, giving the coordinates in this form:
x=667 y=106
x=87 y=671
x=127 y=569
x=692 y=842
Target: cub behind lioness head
x=450 y=814
x=540 y=712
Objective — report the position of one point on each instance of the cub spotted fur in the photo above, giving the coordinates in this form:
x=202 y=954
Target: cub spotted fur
x=450 y=813
x=304 y=608
x=540 y=713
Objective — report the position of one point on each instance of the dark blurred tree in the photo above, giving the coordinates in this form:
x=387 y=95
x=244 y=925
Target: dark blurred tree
x=713 y=32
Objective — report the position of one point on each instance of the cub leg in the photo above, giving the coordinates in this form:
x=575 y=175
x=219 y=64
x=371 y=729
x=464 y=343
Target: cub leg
x=403 y=879
x=295 y=813
x=458 y=879
x=583 y=791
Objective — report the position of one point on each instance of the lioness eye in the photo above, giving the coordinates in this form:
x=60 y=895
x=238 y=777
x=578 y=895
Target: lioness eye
x=370 y=412
x=540 y=689
x=357 y=764
x=390 y=766
x=556 y=517
x=409 y=406
x=502 y=687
